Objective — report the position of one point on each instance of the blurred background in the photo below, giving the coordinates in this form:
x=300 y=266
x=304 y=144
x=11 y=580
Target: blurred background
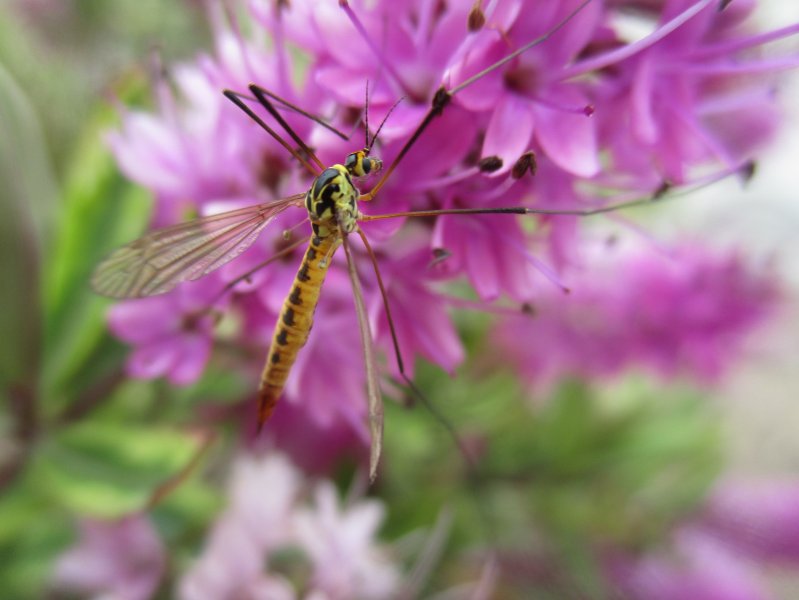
x=83 y=445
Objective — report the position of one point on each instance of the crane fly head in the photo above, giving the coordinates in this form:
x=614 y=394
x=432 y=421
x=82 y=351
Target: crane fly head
x=360 y=164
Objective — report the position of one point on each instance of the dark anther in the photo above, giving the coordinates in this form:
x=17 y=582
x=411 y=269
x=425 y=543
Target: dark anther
x=748 y=171
x=662 y=190
x=489 y=164
x=525 y=163
x=588 y=110
x=477 y=19
x=441 y=99
x=528 y=309
x=439 y=256
x=724 y=4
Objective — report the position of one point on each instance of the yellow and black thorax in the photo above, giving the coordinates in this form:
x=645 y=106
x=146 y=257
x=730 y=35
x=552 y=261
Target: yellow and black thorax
x=332 y=200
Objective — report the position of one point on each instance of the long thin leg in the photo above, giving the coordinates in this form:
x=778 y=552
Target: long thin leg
x=262 y=98
x=401 y=366
x=316 y=119
x=278 y=255
x=664 y=192
x=208 y=437
x=236 y=99
x=372 y=382
x=510 y=210
x=298 y=110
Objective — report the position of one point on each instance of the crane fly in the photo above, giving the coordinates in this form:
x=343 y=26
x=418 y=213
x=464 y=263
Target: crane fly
x=158 y=261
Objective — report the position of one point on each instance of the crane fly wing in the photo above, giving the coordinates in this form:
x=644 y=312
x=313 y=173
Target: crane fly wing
x=372 y=382
x=158 y=261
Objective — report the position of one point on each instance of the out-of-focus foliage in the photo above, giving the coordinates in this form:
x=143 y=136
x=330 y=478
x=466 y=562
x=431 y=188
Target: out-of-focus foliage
x=69 y=447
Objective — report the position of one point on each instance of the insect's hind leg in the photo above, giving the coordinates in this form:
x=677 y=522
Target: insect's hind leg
x=437 y=415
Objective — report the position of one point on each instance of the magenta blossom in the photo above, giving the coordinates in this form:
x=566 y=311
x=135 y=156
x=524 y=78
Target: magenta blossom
x=696 y=567
x=685 y=312
x=172 y=334
x=681 y=92
x=721 y=553
x=760 y=521
x=122 y=559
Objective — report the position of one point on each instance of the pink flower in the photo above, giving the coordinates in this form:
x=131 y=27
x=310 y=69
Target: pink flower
x=172 y=333
x=760 y=521
x=122 y=559
x=680 y=93
x=683 y=313
x=267 y=516
x=263 y=494
x=339 y=544
x=719 y=555
x=699 y=567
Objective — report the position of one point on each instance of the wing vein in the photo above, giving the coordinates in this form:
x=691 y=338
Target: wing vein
x=158 y=261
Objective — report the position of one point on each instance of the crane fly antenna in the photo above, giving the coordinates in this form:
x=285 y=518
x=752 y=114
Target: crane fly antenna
x=366 y=118
x=383 y=122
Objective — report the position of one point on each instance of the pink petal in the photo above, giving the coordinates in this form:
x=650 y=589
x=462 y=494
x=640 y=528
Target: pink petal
x=153 y=360
x=568 y=138
x=642 y=118
x=485 y=92
x=139 y=321
x=194 y=354
x=509 y=131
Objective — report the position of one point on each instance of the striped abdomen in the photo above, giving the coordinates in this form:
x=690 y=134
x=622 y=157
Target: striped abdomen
x=294 y=323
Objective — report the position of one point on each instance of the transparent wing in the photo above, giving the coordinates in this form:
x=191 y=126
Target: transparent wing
x=158 y=261
x=373 y=393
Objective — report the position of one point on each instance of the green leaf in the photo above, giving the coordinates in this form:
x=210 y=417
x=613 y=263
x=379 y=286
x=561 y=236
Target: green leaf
x=32 y=533
x=27 y=197
x=101 y=210
x=109 y=470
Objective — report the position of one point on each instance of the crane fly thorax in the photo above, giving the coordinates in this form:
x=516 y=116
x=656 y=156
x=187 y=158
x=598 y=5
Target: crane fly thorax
x=332 y=202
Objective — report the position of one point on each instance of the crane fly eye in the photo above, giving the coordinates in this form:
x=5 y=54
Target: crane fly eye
x=351 y=164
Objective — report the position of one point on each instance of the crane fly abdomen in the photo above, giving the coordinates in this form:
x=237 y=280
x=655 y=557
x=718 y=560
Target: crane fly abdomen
x=295 y=321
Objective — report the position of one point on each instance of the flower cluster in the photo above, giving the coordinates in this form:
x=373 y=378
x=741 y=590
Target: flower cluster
x=267 y=516
x=685 y=312
x=123 y=559
x=719 y=555
x=596 y=114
